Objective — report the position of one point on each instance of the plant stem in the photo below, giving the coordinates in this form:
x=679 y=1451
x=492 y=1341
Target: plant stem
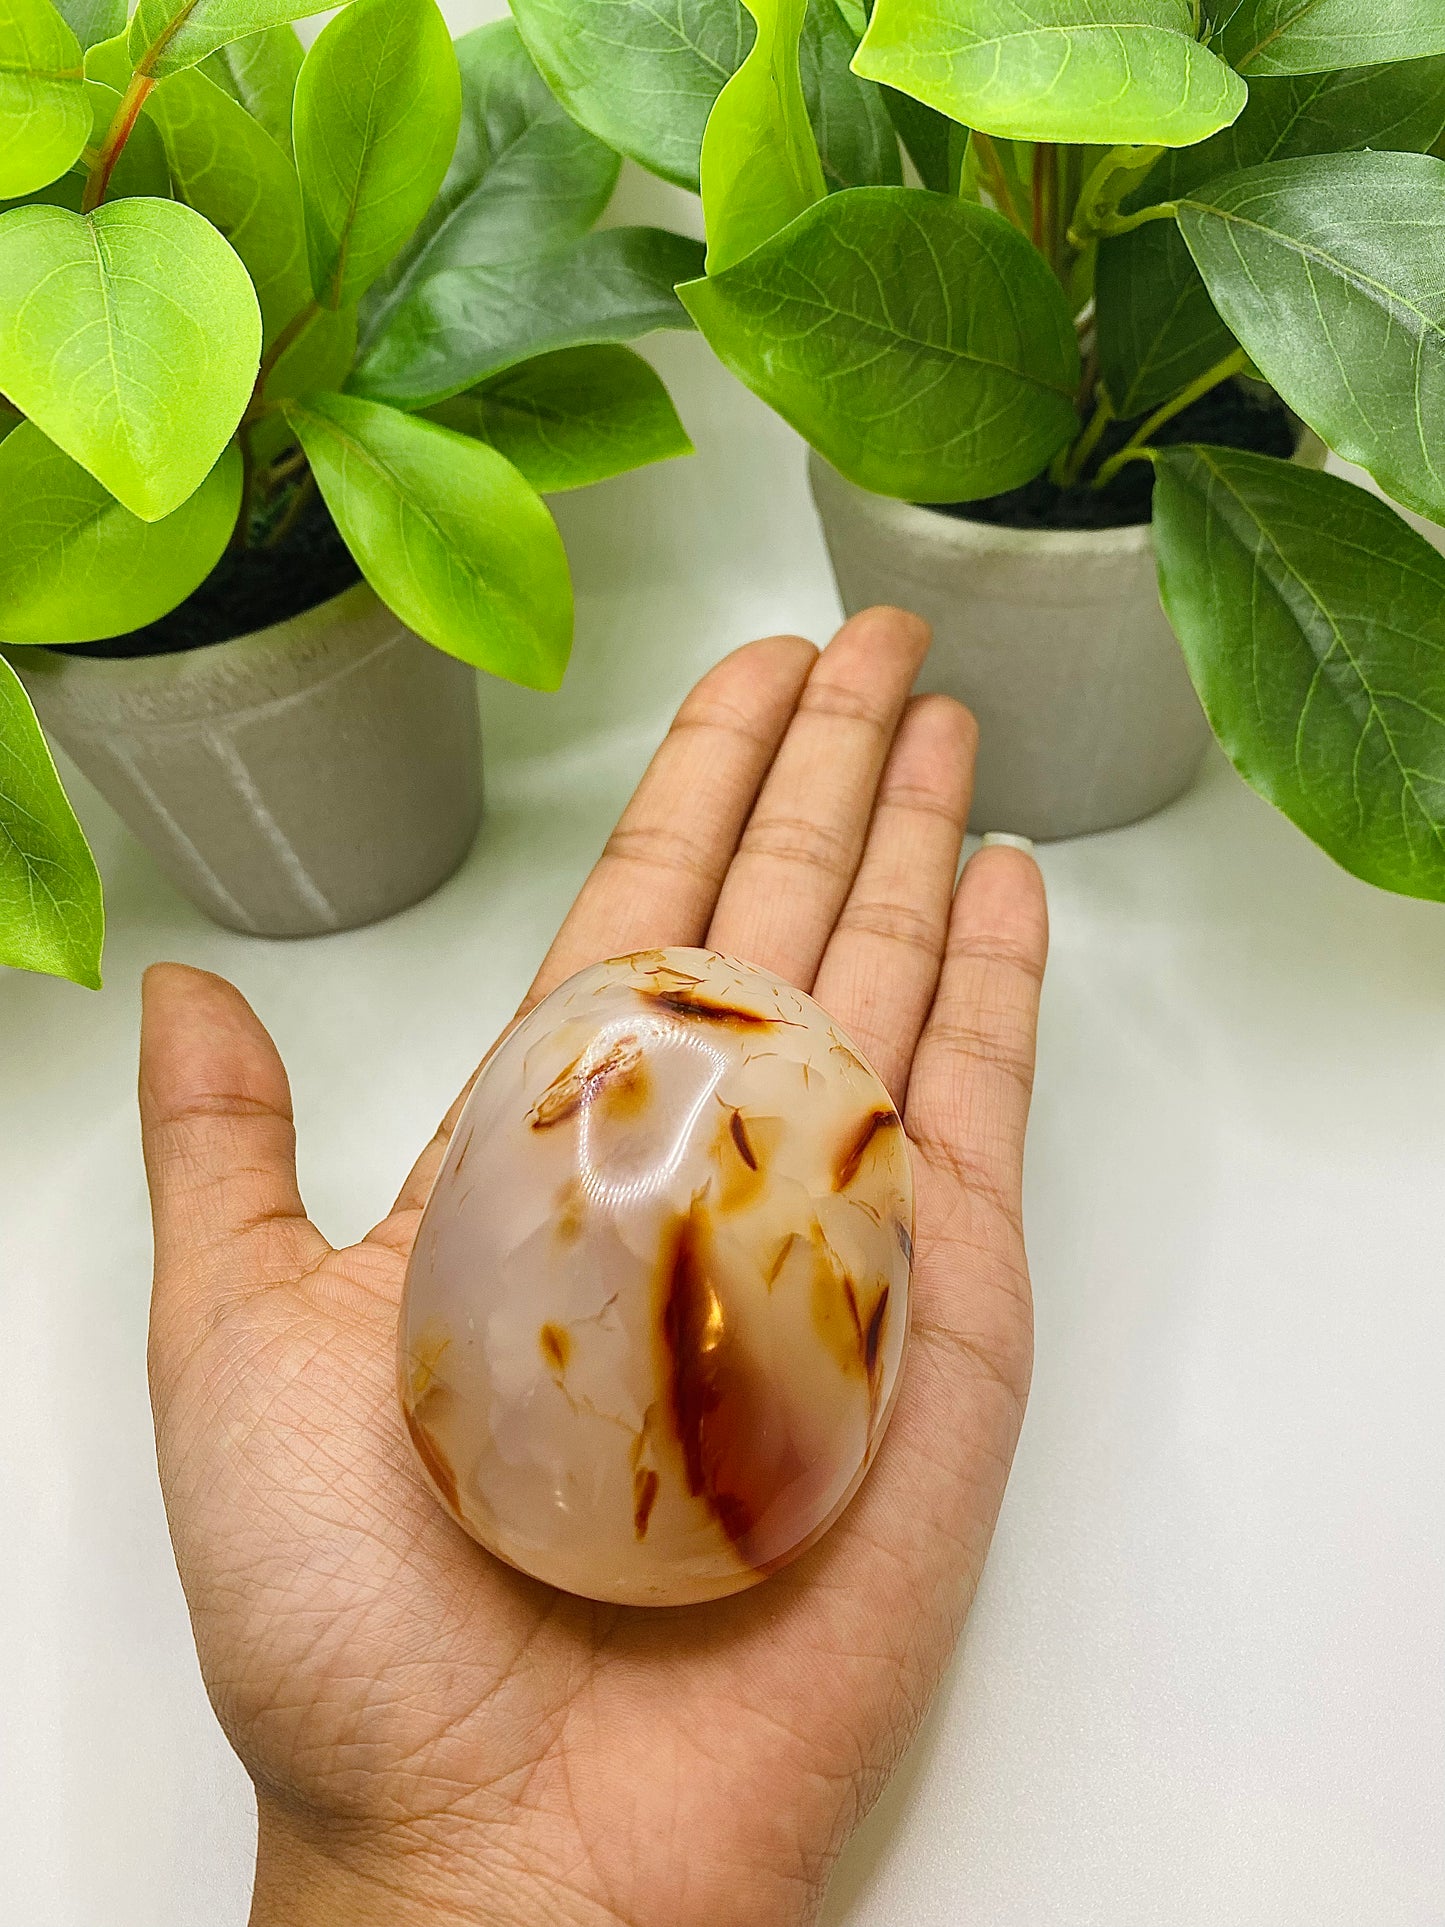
x=1232 y=364
x=1078 y=456
x=1042 y=173
x=1113 y=224
x=283 y=468
x=1096 y=210
x=1059 y=233
x=291 y=514
x=997 y=180
x=1089 y=379
x=116 y=135
x=259 y=406
x=288 y=337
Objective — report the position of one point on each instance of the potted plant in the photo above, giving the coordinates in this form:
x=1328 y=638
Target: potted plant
x=290 y=350
x=1149 y=240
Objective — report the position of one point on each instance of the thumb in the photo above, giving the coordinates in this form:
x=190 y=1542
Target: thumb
x=220 y=1148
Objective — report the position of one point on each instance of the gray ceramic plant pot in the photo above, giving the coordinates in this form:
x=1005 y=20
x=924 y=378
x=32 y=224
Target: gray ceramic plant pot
x=311 y=777
x=1056 y=641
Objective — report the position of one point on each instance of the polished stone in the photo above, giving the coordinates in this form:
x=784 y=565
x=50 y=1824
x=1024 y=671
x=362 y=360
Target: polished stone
x=657 y=1308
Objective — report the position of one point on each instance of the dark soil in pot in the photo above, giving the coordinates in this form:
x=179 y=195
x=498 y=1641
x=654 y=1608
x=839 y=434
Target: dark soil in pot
x=1230 y=416
x=251 y=588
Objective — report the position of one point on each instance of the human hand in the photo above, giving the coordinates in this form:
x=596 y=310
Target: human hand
x=434 y=1737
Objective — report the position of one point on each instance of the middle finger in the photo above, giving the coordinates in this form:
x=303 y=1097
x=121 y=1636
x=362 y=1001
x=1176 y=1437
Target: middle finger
x=801 y=848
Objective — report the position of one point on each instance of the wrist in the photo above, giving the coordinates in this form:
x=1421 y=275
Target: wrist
x=310 y=1876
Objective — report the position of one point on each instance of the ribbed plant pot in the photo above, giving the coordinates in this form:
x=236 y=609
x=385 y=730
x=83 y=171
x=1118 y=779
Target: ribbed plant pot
x=1056 y=641
x=309 y=778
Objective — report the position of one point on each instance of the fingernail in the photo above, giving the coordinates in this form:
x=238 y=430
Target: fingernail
x=1000 y=839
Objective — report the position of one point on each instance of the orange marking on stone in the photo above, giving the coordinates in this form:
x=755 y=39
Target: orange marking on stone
x=739 y=1152
x=569 y=1212
x=580 y=1082
x=785 y=1250
x=556 y=1346
x=853 y=1155
x=852 y=1297
x=650 y=962
x=740 y=1137
x=427 y=1351
x=627 y=1094
x=834 y=1305
x=644 y=1496
x=432 y=1457
x=850 y=1057
x=873 y=1338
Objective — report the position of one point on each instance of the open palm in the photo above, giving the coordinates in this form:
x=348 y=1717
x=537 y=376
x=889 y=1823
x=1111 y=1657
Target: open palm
x=432 y=1735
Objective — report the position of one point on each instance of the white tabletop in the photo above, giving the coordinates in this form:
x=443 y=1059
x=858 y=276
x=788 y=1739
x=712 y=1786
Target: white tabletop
x=1203 y=1683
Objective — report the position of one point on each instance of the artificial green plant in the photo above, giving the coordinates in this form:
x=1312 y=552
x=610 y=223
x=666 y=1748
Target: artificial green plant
x=1121 y=205
x=231 y=274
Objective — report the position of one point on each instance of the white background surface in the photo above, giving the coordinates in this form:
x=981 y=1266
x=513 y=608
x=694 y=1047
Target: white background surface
x=1203 y=1684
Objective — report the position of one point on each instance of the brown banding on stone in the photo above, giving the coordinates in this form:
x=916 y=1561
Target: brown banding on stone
x=853 y=1154
x=692 y=1003
x=737 y=1458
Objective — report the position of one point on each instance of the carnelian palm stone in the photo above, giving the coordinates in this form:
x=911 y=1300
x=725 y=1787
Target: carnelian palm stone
x=657 y=1308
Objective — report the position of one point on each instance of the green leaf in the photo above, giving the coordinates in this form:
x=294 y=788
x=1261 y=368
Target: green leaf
x=525 y=177
x=1102 y=71
x=260 y=73
x=44 y=115
x=1327 y=271
x=68 y=191
x=573 y=418
x=458 y=327
x=644 y=78
x=140 y=169
x=856 y=140
x=51 y=917
x=76 y=566
x=378 y=106
x=225 y=165
x=228 y=168
x=1263 y=37
x=166 y=35
x=109 y=61
x=131 y=337
x=640 y=76
x=92 y=21
x=447 y=533
x=919 y=343
x=1313 y=621
x=759 y=167
x=1158 y=328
